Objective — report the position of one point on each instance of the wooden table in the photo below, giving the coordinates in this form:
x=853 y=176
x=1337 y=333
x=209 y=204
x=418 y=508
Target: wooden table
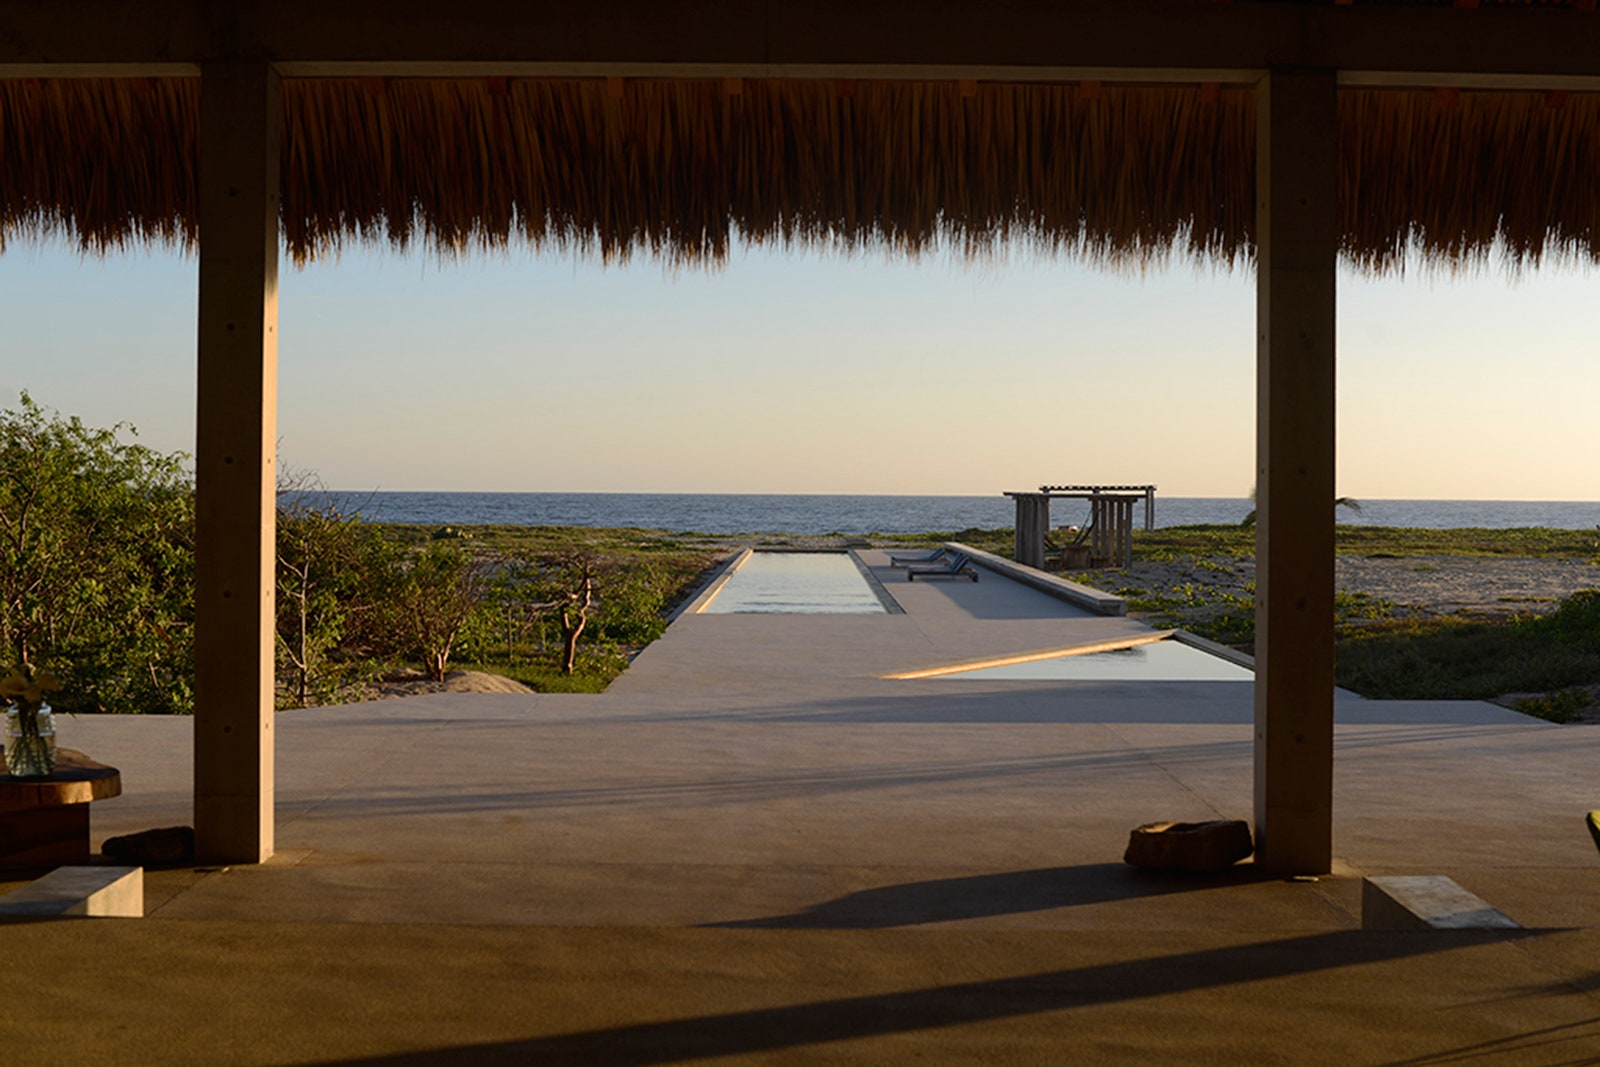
x=44 y=822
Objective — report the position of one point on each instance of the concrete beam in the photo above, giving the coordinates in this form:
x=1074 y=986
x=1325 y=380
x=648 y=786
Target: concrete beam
x=235 y=483
x=1138 y=40
x=1297 y=239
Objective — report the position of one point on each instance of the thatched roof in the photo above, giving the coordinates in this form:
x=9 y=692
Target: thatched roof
x=674 y=168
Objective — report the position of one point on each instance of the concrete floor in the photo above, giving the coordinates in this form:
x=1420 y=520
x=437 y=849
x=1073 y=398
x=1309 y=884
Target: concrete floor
x=754 y=849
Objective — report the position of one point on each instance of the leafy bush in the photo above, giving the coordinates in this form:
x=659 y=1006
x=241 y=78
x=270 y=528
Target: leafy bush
x=96 y=563
x=428 y=597
x=1563 y=706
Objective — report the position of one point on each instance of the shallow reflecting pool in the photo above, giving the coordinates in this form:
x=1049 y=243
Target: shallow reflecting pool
x=1168 y=660
x=797 y=583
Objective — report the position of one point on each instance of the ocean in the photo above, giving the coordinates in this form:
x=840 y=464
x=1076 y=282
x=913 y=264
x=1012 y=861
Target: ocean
x=740 y=513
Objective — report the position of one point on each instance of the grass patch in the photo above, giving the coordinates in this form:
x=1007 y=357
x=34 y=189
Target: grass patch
x=1377 y=542
x=593 y=673
x=1448 y=659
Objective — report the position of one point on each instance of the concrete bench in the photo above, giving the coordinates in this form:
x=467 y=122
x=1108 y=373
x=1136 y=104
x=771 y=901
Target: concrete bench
x=1426 y=902
x=1096 y=600
x=96 y=891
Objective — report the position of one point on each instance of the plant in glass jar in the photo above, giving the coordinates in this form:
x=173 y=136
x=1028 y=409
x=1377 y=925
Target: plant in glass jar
x=30 y=743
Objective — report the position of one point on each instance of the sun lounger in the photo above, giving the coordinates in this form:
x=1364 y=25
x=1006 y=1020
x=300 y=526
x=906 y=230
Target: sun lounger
x=901 y=559
x=957 y=566
x=1594 y=827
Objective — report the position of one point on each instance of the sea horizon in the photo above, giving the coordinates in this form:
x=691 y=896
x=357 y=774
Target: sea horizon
x=908 y=513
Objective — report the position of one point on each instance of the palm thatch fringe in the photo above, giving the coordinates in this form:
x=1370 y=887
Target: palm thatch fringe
x=677 y=169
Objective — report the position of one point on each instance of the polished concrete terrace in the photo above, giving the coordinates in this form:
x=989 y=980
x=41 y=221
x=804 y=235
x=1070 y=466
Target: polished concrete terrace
x=757 y=849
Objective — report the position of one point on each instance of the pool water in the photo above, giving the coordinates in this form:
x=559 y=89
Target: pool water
x=1168 y=660
x=797 y=583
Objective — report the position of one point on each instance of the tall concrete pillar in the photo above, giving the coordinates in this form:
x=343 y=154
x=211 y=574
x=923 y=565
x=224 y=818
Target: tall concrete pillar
x=235 y=479
x=1297 y=250
x=1033 y=525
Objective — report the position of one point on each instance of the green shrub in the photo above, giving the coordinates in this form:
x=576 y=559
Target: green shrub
x=1563 y=706
x=96 y=563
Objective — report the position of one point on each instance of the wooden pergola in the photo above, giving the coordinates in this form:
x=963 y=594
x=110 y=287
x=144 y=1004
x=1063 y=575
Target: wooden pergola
x=1296 y=56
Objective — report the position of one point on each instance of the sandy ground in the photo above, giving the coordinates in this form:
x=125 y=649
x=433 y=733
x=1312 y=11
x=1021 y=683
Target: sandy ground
x=1416 y=585
x=413 y=683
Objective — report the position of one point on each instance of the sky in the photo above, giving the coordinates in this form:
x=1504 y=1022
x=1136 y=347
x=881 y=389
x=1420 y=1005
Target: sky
x=796 y=372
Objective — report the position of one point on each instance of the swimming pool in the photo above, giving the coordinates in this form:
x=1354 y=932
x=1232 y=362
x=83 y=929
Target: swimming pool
x=1163 y=659
x=798 y=583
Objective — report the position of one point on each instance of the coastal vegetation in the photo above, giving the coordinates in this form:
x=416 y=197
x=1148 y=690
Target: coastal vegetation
x=1545 y=662
x=1553 y=659
x=97 y=573
x=96 y=563
x=97 y=583
x=559 y=609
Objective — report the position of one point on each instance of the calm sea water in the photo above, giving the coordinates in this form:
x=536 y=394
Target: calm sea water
x=736 y=513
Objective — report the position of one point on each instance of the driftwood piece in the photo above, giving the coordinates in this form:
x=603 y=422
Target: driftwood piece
x=1189 y=846
x=152 y=848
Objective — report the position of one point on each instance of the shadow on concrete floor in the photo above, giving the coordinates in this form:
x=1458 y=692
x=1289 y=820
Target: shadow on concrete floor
x=987 y=895
x=768 y=1030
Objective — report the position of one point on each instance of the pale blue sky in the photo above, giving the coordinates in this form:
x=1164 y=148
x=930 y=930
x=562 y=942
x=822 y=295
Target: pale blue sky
x=813 y=373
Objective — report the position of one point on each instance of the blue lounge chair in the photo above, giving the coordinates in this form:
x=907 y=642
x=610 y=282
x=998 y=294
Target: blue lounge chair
x=957 y=566
x=901 y=559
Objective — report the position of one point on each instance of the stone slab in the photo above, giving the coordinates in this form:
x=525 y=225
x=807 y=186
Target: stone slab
x=1426 y=901
x=102 y=892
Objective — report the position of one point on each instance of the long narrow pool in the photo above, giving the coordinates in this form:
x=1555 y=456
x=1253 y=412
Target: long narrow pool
x=797 y=583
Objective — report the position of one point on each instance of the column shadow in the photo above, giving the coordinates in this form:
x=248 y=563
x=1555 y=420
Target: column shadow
x=770 y=1030
x=987 y=895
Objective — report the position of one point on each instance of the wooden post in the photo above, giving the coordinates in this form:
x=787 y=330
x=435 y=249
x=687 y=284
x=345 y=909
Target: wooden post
x=1297 y=250
x=235 y=484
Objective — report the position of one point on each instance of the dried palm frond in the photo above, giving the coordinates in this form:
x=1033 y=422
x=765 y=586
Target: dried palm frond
x=679 y=168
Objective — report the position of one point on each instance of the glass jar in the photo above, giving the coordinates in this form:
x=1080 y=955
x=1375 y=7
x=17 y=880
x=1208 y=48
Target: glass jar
x=30 y=742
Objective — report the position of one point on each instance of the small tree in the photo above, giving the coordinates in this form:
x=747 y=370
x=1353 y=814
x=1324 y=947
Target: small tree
x=321 y=584
x=574 y=580
x=431 y=596
x=1338 y=502
x=513 y=603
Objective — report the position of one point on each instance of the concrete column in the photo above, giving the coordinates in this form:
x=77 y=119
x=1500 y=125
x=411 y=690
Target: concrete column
x=1033 y=524
x=1297 y=250
x=1100 y=521
x=1125 y=532
x=234 y=462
